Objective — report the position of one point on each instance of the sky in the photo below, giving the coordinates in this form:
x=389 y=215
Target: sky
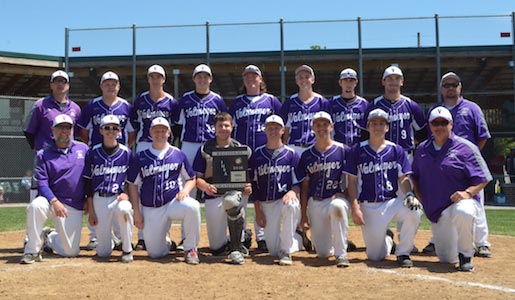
x=38 y=27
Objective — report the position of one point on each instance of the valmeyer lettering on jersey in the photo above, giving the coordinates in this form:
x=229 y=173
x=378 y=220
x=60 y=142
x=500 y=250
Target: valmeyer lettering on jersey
x=344 y=116
x=300 y=116
x=98 y=170
x=371 y=167
x=152 y=170
x=196 y=111
x=97 y=119
x=245 y=112
x=399 y=116
x=266 y=169
x=151 y=114
x=317 y=167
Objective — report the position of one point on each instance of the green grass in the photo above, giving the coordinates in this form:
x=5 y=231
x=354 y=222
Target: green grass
x=500 y=222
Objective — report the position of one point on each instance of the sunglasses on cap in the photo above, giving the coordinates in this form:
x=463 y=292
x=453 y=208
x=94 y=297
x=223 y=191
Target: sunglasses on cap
x=111 y=128
x=449 y=85
x=437 y=123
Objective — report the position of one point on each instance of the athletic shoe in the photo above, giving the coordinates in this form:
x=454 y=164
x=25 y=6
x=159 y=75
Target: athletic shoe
x=191 y=257
x=247 y=238
x=236 y=258
x=29 y=258
x=465 y=264
x=351 y=246
x=414 y=250
x=483 y=251
x=394 y=246
x=92 y=245
x=244 y=251
x=222 y=251
x=140 y=245
x=306 y=242
x=429 y=249
x=44 y=238
x=404 y=261
x=127 y=257
x=285 y=260
x=342 y=262
x=117 y=243
x=180 y=247
x=173 y=246
x=261 y=246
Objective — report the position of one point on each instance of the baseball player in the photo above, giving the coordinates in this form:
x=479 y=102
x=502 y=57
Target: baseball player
x=149 y=105
x=469 y=123
x=348 y=109
x=404 y=115
x=249 y=112
x=166 y=179
x=377 y=169
x=222 y=211
x=455 y=166
x=298 y=110
x=89 y=123
x=104 y=172
x=321 y=172
x=277 y=207
x=61 y=195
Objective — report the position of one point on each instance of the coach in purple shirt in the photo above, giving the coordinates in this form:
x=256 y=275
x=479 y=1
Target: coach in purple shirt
x=448 y=174
x=61 y=195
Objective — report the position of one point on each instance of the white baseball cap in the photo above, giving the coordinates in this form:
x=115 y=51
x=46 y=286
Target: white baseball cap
x=60 y=119
x=348 y=73
x=160 y=121
x=110 y=119
x=440 y=112
x=156 y=69
x=321 y=115
x=109 y=75
x=59 y=73
x=305 y=68
x=274 y=119
x=392 y=70
x=450 y=75
x=202 y=68
x=251 y=69
x=377 y=113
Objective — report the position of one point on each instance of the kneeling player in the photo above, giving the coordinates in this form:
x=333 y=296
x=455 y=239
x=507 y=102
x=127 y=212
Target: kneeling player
x=321 y=172
x=376 y=169
x=164 y=194
x=273 y=169
x=104 y=172
x=222 y=210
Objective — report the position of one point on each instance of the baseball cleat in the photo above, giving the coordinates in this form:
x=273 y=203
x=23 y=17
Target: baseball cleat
x=285 y=260
x=483 y=251
x=191 y=257
x=126 y=257
x=236 y=258
x=306 y=242
x=140 y=245
x=465 y=264
x=92 y=245
x=429 y=249
x=29 y=258
x=404 y=261
x=342 y=262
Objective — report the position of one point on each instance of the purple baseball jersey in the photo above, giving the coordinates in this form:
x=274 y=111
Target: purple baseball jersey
x=324 y=170
x=198 y=116
x=96 y=109
x=468 y=121
x=455 y=167
x=404 y=118
x=161 y=178
x=145 y=110
x=378 y=173
x=273 y=172
x=297 y=116
x=41 y=118
x=59 y=173
x=347 y=119
x=249 y=114
x=107 y=172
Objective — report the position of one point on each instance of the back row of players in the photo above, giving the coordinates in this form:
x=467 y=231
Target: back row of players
x=196 y=111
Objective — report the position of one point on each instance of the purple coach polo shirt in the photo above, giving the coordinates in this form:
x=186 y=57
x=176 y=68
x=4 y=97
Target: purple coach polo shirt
x=439 y=174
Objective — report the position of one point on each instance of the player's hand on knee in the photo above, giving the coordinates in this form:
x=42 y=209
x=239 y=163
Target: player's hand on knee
x=59 y=209
x=411 y=202
x=180 y=196
x=289 y=197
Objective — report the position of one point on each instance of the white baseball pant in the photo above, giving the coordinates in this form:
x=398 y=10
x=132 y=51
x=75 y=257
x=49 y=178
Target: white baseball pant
x=190 y=149
x=65 y=240
x=157 y=224
x=329 y=225
x=281 y=223
x=110 y=211
x=481 y=225
x=377 y=216
x=454 y=231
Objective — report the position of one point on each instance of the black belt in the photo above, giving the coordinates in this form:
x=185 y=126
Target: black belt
x=316 y=198
x=105 y=194
x=302 y=145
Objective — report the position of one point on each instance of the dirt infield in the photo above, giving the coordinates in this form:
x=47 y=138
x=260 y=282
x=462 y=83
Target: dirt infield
x=86 y=277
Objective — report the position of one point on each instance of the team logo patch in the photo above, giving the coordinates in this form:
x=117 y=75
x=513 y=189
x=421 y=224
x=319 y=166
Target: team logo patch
x=452 y=153
x=80 y=154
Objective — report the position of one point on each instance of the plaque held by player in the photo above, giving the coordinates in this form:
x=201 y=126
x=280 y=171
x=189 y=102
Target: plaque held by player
x=230 y=168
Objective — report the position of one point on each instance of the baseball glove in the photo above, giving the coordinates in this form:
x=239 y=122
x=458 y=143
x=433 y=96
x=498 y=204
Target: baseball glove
x=411 y=202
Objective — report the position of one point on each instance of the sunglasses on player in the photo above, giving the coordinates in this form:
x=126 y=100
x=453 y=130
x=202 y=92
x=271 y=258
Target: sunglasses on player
x=439 y=123
x=111 y=128
x=449 y=85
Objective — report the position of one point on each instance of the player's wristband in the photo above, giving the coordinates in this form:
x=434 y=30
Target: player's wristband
x=468 y=192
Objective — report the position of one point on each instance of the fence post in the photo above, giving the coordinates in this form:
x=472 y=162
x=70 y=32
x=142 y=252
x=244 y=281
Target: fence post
x=133 y=62
x=208 y=52
x=438 y=71
x=283 y=75
x=66 y=49
x=360 y=59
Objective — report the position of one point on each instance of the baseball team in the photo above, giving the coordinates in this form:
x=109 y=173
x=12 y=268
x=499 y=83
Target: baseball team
x=313 y=163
